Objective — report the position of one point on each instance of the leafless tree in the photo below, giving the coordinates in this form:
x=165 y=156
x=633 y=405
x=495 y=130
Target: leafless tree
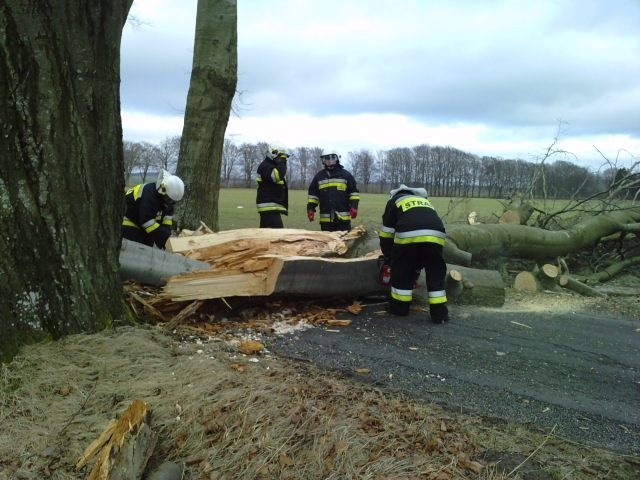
x=230 y=157
x=168 y=152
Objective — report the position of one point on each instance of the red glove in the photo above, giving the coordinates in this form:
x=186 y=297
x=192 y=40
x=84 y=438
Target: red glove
x=311 y=215
x=353 y=212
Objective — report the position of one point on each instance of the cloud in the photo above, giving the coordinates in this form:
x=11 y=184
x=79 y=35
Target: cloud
x=488 y=77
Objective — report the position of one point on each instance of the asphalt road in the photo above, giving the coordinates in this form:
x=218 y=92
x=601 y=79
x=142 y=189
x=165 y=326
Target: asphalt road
x=579 y=372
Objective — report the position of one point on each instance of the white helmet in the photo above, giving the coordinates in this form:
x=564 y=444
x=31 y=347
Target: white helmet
x=170 y=185
x=330 y=158
x=278 y=151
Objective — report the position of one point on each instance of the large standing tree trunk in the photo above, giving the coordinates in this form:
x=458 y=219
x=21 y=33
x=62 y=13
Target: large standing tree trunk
x=61 y=184
x=213 y=85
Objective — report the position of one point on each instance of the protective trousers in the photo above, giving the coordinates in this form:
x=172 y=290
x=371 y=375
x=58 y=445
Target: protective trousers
x=335 y=226
x=271 y=220
x=407 y=261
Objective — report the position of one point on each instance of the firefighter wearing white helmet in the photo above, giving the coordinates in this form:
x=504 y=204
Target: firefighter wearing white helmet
x=272 y=197
x=148 y=217
x=334 y=191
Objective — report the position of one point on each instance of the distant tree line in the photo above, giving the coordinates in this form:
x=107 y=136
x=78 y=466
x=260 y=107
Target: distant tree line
x=444 y=171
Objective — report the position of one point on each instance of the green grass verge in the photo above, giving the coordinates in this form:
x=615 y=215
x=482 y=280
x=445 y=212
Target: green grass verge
x=238 y=209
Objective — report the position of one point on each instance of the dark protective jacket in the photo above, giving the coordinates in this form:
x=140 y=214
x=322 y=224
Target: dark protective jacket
x=273 y=192
x=335 y=191
x=409 y=218
x=147 y=211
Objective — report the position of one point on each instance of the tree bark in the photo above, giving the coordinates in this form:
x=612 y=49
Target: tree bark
x=211 y=91
x=61 y=168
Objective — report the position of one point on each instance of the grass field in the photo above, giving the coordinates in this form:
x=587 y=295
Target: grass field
x=238 y=209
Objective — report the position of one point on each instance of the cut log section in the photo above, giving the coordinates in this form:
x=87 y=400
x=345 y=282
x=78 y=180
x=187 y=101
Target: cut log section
x=541 y=278
x=526 y=282
x=472 y=286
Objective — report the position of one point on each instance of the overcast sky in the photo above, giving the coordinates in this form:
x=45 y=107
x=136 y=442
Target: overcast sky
x=500 y=78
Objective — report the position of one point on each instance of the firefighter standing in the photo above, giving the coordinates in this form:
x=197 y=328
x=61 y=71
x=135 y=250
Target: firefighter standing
x=272 y=198
x=334 y=190
x=148 y=214
x=412 y=238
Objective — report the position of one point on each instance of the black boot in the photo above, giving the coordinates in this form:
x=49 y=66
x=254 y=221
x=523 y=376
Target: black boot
x=439 y=313
x=397 y=308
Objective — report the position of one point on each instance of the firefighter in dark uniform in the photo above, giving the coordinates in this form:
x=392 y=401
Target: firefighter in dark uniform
x=148 y=216
x=412 y=238
x=272 y=198
x=334 y=190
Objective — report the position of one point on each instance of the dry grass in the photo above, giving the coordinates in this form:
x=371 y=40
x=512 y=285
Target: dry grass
x=225 y=415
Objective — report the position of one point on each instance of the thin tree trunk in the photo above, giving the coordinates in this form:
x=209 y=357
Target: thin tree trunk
x=61 y=167
x=213 y=85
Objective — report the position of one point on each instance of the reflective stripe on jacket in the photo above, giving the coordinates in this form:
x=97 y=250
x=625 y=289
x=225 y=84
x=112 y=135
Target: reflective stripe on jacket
x=146 y=209
x=410 y=218
x=335 y=191
x=273 y=192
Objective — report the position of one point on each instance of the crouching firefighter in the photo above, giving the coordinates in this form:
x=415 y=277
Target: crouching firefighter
x=412 y=238
x=148 y=216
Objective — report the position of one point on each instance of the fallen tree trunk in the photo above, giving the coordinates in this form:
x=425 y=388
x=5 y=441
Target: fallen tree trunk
x=280 y=275
x=521 y=241
x=152 y=266
x=320 y=277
